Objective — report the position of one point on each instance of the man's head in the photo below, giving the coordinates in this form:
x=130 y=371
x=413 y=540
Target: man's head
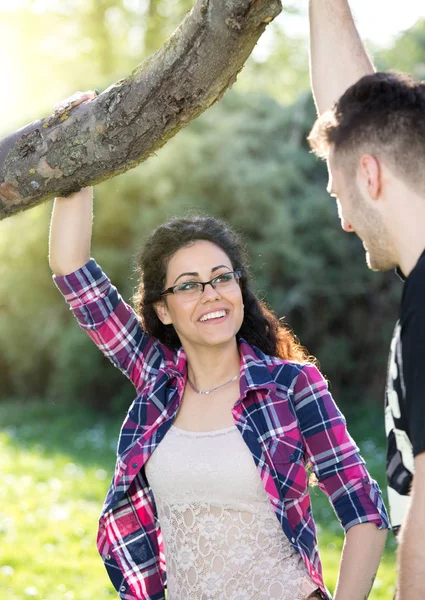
x=374 y=143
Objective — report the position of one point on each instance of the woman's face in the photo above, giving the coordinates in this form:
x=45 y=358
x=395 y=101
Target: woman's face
x=202 y=261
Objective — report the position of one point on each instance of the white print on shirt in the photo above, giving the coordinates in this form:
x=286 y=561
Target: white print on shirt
x=404 y=445
x=399 y=504
x=402 y=440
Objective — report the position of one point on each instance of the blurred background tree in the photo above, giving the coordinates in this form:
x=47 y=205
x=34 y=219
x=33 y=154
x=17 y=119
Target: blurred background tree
x=407 y=53
x=245 y=160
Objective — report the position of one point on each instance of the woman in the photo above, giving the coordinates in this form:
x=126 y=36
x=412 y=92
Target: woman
x=210 y=493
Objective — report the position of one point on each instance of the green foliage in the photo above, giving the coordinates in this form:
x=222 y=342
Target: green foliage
x=162 y=18
x=246 y=161
x=407 y=53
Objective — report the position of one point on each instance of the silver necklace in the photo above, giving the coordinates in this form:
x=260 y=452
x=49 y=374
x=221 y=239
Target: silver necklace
x=206 y=392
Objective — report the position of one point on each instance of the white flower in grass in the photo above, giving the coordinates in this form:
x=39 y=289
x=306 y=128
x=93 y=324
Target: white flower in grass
x=59 y=513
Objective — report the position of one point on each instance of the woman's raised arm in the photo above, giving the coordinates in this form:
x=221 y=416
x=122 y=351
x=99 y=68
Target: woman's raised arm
x=96 y=304
x=70 y=232
x=71 y=222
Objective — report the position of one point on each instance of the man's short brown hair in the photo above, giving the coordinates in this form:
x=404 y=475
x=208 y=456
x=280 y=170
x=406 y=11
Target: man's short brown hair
x=382 y=114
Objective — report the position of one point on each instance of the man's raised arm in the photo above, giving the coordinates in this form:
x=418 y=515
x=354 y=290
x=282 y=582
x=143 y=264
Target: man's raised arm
x=337 y=55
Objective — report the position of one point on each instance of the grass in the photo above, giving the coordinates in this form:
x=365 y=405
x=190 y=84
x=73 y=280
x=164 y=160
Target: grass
x=366 y=425
x=56 y=463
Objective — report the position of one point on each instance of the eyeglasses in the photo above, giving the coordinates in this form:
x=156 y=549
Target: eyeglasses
x=193 y=289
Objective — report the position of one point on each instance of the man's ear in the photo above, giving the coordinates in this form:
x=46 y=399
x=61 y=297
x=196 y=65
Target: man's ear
x=161 y=310
x=370 y=175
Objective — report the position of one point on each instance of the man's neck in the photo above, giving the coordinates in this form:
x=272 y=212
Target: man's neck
x=410 y=253
x=407 y=226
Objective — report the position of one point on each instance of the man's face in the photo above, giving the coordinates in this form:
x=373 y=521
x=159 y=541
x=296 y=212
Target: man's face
x=359 y=214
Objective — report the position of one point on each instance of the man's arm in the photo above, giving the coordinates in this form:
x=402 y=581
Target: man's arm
x=337 y=56
x=411 y=552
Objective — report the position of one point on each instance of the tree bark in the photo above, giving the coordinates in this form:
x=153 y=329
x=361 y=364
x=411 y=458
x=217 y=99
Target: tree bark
x=122 y=127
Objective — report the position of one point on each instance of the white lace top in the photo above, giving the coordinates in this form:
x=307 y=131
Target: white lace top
x=222 y=539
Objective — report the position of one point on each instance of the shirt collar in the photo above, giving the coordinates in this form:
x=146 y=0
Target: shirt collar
x=400 y=274
x=255 y=373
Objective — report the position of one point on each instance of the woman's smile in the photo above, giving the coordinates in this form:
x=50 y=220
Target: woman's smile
x=214 y=317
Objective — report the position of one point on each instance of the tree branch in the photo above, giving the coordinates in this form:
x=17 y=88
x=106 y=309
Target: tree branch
x=122 y=127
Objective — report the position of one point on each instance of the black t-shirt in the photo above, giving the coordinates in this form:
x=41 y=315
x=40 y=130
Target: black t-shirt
x=405 y=394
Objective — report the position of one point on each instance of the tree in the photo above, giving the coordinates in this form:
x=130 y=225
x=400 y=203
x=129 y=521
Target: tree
x=136 y=116
x=407 y=53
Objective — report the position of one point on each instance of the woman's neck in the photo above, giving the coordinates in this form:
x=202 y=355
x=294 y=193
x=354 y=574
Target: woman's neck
x=209 y=367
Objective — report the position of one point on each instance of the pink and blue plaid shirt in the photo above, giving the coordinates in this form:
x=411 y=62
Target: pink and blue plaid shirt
x=285 y=414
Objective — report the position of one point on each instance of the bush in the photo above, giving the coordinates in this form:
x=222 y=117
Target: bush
x=245 y=160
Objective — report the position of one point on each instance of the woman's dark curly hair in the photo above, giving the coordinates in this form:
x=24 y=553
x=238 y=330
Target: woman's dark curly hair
x=260 y=327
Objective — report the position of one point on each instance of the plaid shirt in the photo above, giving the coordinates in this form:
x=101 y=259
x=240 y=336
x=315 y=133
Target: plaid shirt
x=285 y=415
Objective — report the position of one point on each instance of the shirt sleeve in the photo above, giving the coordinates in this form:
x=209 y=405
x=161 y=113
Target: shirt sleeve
x=333 y=454
x=111 y=323
x=413 y=355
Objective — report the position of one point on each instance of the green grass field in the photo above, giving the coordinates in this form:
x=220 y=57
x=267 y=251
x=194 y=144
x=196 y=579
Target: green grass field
x=56 y=463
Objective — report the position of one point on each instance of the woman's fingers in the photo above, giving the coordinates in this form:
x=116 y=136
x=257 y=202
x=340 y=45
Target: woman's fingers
x=75 y=100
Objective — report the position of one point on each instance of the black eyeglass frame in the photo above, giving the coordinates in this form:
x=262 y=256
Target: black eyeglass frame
x=171 y=289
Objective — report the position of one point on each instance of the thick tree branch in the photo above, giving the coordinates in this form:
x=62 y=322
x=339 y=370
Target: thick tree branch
x=130 y=120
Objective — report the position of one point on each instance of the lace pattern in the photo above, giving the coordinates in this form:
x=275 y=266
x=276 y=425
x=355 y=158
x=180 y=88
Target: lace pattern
x=222 y=539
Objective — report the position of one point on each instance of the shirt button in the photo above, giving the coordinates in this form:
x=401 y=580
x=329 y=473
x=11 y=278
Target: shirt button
x=122 y=588
x=108 y=557
x=293 y=540
x=134 y=465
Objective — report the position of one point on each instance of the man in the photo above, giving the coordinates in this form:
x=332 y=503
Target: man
x=373 y=139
